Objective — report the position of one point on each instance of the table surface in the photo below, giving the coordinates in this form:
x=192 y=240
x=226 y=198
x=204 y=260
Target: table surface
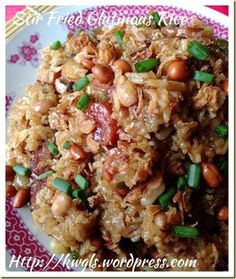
x=12 y=10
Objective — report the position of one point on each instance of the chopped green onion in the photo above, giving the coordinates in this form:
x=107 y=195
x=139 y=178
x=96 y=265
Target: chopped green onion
x=147 y=65
x=53 y=148
x=221 y=131
x=81 y=194
x=194 y=174
x=198 y=51
x=165 y=198
x=119 y=37
x=21 y=170
x=83 y=102
x=82 y=182
x=67 y=145
x=203 y=76
x=56 y=45
x=78 y=31
x=222 y=164
x=45 y=175
x=182 y=183
x=185 y=231
x=74 y=193
x=80 y=84
x=74 y=255
x=62 y=185
x=157 y=20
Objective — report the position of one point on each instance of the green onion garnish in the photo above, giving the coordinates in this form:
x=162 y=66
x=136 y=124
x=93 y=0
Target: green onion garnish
x=194 y=174
x=157 y=20
x=146 y=65
x=78 y=31
x=55 y=45
x=80 y=84
x=81 y=194
x=62 y=185
x=185 y=231
x=21 y=170
x=67 y=145
x=82 y=182
x=45 y=175
x=74 y=255
x=182 y=183
x=165 y=198
x=74 y=193
x=203 y=76
x=83 y=102
x=119 y=37
x=53 y=148
x=221 y=131
x=198 y=51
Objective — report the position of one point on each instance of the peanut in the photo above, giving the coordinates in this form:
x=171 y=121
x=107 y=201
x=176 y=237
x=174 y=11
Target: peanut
x=61 y=204
x=10 y=191
x=178 y=71
x=103 y=73
x=211 y=175
x=10 y=174
x=126 y=92
x=21 y=198
x=223 y=214
x=225 y=86
x=123 y=66
x=42 y=106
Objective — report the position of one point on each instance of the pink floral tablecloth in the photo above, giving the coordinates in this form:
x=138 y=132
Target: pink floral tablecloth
x=12 y=10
